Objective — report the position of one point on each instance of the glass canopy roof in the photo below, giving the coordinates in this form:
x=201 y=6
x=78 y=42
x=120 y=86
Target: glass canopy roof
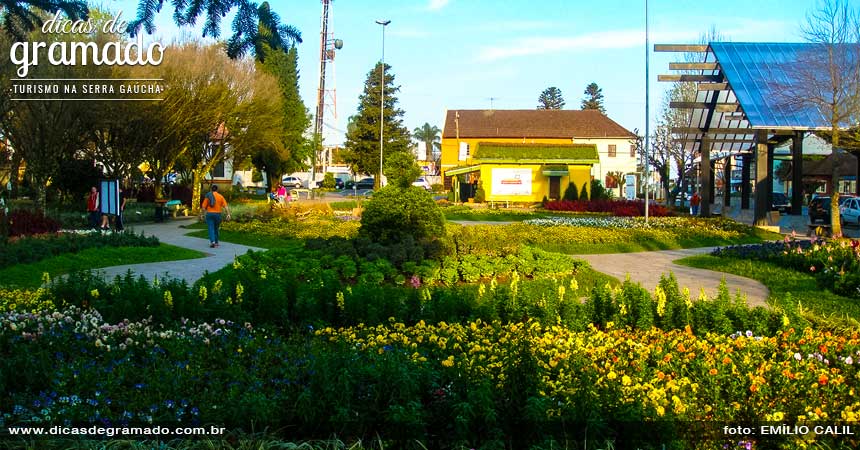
x=769 y=78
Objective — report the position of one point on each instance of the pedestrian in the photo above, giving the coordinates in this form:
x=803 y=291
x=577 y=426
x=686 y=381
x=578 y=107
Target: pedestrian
x=695 y=202
x=93 y=207
x=118 y=221
x=213 y=203
x=282 y=193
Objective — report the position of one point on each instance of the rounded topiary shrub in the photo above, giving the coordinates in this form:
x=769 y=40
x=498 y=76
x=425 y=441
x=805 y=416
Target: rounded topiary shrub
x=395 y=213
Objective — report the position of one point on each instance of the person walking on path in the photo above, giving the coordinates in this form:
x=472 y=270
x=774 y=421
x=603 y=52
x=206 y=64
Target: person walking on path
x=695 y=202
x=213 y=203
x=93 y=207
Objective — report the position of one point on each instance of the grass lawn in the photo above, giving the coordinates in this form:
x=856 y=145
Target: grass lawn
x=249 y=239
x=30 y=275
x=781 y=282
x=574 y=248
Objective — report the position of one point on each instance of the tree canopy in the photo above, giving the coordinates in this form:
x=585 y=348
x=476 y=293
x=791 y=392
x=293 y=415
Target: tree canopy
x=430 y=135
x=593 y=98
x=551 y=98
x=362 y=137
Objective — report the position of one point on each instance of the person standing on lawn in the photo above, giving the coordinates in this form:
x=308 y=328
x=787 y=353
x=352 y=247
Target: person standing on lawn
x=695 y=202
x=213 y=203
x=93 y=207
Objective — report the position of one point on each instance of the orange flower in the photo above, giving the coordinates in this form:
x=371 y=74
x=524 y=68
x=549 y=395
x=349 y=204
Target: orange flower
x=712 y=371
x=726 y=360
x=753 y=387
x=822 y=379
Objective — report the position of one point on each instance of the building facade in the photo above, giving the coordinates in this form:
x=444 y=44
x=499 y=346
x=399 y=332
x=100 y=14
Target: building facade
x=588 y=144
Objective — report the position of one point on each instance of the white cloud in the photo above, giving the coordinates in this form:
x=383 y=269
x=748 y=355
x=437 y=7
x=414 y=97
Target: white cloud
x=436 y=5
x=604 y=40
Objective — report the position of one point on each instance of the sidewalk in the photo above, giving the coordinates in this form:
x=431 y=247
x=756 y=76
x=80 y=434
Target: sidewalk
x=647 y=267
x=189 y=270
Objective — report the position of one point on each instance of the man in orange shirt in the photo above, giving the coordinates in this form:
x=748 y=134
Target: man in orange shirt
x=213 y=203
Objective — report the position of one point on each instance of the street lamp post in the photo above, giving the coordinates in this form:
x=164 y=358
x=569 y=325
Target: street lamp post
x=647 y=114
x=382 y=97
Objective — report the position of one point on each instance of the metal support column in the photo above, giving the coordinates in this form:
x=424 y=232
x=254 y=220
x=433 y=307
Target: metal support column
x=746 y=160
x=797 y=173
x=705 y=177
x=727 y=183
x=761 y=170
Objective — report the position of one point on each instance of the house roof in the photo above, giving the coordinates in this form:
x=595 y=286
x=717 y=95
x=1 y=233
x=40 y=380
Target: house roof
x=536 y=153
x=531 y=123
x=824 y=167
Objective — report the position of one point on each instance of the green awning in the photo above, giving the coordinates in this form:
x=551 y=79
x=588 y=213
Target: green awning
x=461 y=170
x=554 y=171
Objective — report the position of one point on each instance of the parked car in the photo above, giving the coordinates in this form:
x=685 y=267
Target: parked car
x=422 y=183
x=780 y=202
x=819 y=211
x=364 y=183
x=339 y=183
x=849 y=210
x=292 y=182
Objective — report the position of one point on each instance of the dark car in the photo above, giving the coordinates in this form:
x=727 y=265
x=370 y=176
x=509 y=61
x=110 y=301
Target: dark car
x=364 y=183
x=819 y=211
x=780 y=202
x=338 y=183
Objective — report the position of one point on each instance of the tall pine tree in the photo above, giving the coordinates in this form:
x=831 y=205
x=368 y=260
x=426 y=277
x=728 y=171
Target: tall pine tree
x=551 y=98
x=594 y=98
x=294 y=150
x=362 y=136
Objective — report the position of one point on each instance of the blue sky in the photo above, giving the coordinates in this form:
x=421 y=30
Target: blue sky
x=471 y=54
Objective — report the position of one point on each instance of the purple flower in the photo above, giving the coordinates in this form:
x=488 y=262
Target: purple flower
x=415 y=281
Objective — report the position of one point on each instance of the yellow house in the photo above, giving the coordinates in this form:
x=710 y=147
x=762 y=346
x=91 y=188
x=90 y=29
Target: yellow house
x=526 y=155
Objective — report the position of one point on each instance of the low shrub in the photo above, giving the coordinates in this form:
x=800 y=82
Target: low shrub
x=395 y=213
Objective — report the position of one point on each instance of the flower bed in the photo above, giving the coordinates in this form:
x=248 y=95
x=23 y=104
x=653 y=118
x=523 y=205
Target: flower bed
x=472 y=383
x=627 y=208
x=570 y=233
x=835 y=264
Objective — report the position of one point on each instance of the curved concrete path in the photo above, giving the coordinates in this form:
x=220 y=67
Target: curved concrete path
x=189 y=270
x=647 y=267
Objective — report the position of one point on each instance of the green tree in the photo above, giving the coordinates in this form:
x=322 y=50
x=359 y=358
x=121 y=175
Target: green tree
x=20 y=17
x=294 y=149
x=401 y=169
x=571 y=193
x=594 y=98
x=362 y=139
x=551 y=98
x=430 y=135
x=253 y=26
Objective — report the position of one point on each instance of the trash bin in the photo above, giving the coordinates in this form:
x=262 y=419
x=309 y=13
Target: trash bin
x=159 y=212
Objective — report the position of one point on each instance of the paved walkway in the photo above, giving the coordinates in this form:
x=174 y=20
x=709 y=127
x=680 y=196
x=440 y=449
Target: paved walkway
x=647 y=267
x=643 y=267
x=189 y=270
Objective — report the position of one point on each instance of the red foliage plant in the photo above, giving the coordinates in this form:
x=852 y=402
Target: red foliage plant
x=24 y=222
x=626 y=208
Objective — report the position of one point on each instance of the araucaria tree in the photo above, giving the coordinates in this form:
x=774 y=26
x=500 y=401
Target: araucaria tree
x=551 y=98
x=294 y=148
x=593 y=98
x=362 y=138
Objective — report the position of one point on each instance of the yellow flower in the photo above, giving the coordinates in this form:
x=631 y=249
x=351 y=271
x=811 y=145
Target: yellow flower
x=449 y=362
x=168 y=299
x=94 y=293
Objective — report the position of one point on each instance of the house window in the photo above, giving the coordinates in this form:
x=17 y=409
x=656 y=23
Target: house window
x=218 y=170
x=632 y=151
x=612 y=150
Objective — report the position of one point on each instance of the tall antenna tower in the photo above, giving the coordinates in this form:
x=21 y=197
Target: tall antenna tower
x=326 y=98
